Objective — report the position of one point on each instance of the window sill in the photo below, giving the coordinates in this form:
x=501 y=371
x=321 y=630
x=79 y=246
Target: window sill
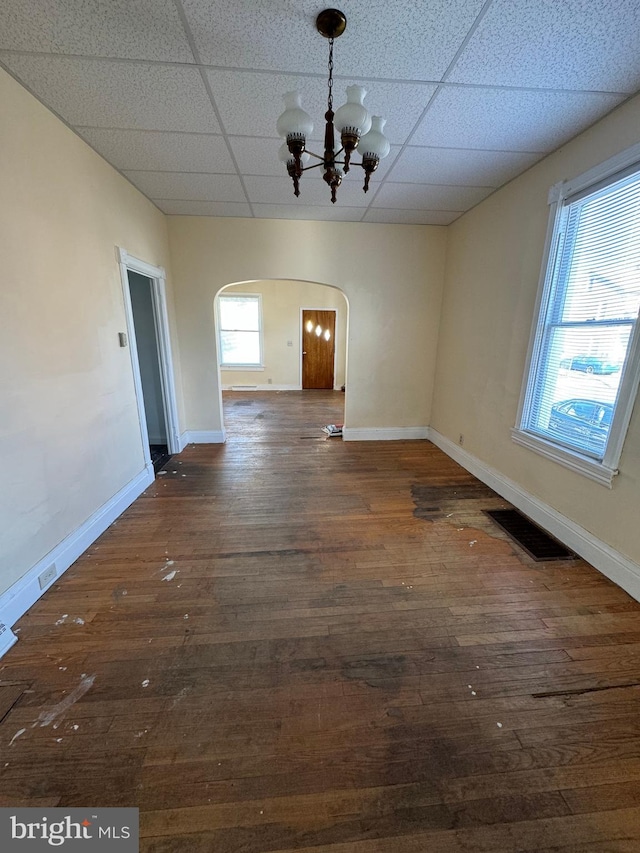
x=584 y=465
x=247 y=367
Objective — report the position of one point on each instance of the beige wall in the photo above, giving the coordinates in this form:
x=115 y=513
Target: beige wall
x=281 y=304
x=391 y=275
x=69 y=422
x=493 y=265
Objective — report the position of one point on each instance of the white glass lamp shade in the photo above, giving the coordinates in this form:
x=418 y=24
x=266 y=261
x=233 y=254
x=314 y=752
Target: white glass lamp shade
x=353 y=114
x=294 y=120
x=285 y=156
x=375 y=143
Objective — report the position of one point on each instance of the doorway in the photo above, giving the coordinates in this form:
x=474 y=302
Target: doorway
x=150 y=350
x=146 y=343
x=281 y=325
x=318 y=349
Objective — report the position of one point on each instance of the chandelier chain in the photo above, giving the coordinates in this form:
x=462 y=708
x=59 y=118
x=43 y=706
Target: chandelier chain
x=330 y=98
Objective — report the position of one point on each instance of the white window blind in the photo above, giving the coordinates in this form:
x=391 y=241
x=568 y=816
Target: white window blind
x=588 y=315
x=239 y=325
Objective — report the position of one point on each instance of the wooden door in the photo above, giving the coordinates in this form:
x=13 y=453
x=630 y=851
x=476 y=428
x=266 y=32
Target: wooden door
x=318 y=348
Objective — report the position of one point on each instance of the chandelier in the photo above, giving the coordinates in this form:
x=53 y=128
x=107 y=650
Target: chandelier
x=357 y=129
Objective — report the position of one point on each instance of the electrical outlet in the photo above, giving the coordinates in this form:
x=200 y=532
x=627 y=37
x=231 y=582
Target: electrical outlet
x=47 y=576
x=461 y=439
x=269 y=381
x=7 y=638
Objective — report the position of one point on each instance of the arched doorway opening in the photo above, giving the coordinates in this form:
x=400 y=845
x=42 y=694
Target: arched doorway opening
x=286 y=339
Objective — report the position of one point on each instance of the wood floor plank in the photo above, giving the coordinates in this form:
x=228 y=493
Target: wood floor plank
x=294 y=643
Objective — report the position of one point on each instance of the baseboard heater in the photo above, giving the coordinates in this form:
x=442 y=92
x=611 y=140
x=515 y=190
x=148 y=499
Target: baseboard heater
x=531 y=538
x=244 y=387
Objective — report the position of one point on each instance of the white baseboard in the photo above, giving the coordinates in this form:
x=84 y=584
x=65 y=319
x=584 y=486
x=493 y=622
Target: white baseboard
x=15 y=602
x=239 y=387
x=384 y=433
x=618 y=568
x=262 y=388
x=202 y=436
x=268 y=388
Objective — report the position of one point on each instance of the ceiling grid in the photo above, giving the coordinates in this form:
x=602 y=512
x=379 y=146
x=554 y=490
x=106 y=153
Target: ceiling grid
x=182 y=97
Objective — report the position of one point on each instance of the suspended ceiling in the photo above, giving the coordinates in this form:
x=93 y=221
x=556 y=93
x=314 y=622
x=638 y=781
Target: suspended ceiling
x=182 y=96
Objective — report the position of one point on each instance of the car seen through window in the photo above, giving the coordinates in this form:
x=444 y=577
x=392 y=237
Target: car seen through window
x=582 y=422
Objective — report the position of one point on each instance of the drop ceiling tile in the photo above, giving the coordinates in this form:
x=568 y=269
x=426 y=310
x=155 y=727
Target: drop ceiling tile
x=508 y=120
x=429 y=196
x=102 y=93
x=398 y=39
x=257 y=156
x=137 y=113
x=285 y=211
x=202 y=208
x=146 y=29
x=263 y=190
x=188 y=186
x=412 y=217
x=159 y=151
x=460 y=166
x=250 y=103
x=575 y=44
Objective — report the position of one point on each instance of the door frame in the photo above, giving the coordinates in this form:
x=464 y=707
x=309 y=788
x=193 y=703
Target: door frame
x=157 y=276
x=335 y=345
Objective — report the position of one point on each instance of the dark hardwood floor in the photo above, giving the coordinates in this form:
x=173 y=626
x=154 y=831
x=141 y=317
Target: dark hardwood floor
x=294 y=643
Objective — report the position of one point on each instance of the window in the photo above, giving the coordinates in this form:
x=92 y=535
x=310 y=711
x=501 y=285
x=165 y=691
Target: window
x=240 y=330
x=584 y=361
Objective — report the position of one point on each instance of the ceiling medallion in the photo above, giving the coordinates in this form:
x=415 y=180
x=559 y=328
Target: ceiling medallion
x=357 y=129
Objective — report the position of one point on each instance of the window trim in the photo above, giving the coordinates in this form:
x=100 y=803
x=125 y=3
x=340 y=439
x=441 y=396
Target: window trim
x=560 y=195
x=252 y=366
